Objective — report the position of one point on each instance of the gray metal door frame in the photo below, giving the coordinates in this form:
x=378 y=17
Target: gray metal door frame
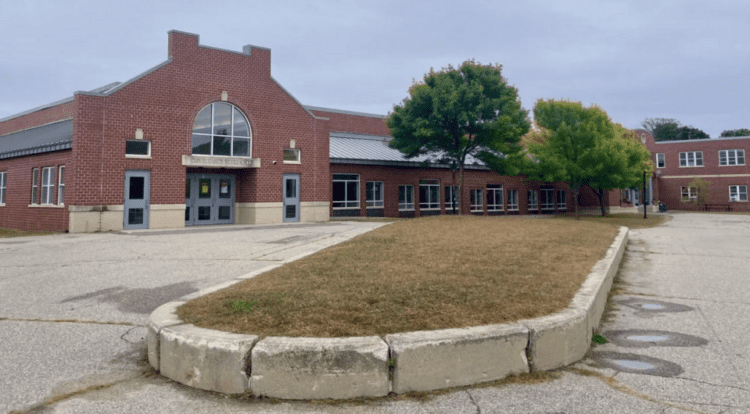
x=136 y=201
x=291 y=198
x=209 y=199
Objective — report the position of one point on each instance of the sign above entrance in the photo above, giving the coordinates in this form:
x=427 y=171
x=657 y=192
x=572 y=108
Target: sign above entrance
x=219 y=162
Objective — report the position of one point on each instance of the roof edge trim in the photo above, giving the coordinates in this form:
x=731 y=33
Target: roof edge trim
x=340 y=111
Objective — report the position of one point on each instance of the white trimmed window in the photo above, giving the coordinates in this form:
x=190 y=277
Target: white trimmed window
x=494 y=197
x=374 y=194
x=48 y=184
x=220 y=129
x=429 y=195
x=451 y=198
x=737 y=193
x=691 y=159
x=405 y=197
x=34 y=185
x=688 y=193
x=732 y=157
x=345 y=191
x=137 y=149
x=292 y=156
x=660 y=162
x=533 y=200
x=512 y=200
x=475 y=200
x=548 y=199
x=561 y=205
x=61 y=185
x=3 y=185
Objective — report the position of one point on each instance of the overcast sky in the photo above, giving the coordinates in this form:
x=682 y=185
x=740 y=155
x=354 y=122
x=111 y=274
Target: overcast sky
x=682 y=59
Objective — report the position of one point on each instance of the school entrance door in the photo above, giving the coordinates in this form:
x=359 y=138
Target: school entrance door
x=209 y=199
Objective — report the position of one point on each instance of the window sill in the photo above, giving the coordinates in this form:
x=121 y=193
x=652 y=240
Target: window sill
x=46 y=205
x=429 y=209
x=407 y=209
x=346 y=208
x=140 y=157
x=292 y=162
x=732 y=165
x=691 y=166
x=380 y=207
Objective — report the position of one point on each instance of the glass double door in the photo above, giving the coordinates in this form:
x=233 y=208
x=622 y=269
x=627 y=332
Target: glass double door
x=209 y=199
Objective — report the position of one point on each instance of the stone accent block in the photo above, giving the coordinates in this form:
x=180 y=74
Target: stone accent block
x=206 y=359
x=312 y=368
x=430 y=360
x=165 y=315
x=558 y=339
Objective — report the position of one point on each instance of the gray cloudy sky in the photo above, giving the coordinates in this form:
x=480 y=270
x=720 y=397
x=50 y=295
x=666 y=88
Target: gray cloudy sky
x=682 y=59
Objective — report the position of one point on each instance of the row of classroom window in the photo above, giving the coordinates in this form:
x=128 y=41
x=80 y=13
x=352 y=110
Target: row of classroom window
x=736 y=193
x=346 y=196
x=695 y=158
x=42 y=193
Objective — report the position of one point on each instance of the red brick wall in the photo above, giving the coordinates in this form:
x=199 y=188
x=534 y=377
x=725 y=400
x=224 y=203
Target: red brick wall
x=392 y=177
x=672 y=177
x=17 y=212
x=41 y=117
x=164 y=105
x=355 y=124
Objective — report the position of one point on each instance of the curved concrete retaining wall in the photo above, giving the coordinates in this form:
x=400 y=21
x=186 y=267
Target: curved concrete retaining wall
x=317 y=368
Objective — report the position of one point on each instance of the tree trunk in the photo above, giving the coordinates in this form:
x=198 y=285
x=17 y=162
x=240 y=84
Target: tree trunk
x=600 y=193
x=460 y=186
x=576 y=190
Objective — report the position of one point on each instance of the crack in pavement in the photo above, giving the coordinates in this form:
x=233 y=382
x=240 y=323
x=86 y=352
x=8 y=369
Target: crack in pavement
x=80 y=321
x=620 y=387
x=471 y=397
x=686 y=253
x=712 y=384
x=686 y=298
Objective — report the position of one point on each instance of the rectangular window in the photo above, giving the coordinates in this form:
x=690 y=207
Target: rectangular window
x=512 y=200
x=138 y=149
x=345 y=191
x=660 y=163
x=737 y=193
x=475 y=200
x=548 y=199
x=429 y=195
x=494 y=198
x=689 y=193
x=533 y=200
x=732 y=157
x=691 y=159
x=561 y=205
x=374 y=194
x=3 y=186
x=451 y=198
x=292 y=156
x=34 y=185
x=61 y=185
x=48 y=174
x=405 y=197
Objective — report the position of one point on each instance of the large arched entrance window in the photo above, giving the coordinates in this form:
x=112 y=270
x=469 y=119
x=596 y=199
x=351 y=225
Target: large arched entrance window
x=220 y=129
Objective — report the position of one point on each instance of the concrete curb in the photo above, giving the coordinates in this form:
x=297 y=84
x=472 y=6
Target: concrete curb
x=339 y=368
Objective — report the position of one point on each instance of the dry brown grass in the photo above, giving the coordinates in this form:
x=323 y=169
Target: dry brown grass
x=20 y=233
x=429 y=273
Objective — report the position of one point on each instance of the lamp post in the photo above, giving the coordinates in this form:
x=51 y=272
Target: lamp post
x=645 y=202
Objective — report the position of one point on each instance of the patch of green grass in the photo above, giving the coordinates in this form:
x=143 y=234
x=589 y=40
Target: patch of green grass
x=598 y=339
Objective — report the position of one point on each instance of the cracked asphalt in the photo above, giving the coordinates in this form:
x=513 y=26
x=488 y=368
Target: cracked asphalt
x=73 y=310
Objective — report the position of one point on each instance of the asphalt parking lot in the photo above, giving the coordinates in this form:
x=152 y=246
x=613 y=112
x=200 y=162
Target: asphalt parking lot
x=73 y=310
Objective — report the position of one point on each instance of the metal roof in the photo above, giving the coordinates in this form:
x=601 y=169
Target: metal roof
x=56 y=136
x=347 y=148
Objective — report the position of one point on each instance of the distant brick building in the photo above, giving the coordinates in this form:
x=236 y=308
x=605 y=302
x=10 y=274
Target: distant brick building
x=209 y=137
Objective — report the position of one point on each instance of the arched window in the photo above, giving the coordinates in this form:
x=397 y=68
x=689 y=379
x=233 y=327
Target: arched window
x=220 y=129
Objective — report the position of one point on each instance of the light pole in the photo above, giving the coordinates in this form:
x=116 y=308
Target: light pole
x=645 y=202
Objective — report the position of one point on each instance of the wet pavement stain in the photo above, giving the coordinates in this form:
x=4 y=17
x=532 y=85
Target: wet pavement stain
x=636 y=364
x=142 y=301
x=639 y=338
x=646 y=306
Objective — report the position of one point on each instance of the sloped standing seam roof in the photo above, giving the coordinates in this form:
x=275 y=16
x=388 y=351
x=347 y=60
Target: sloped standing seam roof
x=57 y=136
x=360 y=149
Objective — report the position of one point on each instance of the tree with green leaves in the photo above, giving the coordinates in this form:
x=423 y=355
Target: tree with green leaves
x=463 y=112
x=581 y=146
x=702 y=189
x=743 y=132
x=669 y=129
x=650 y=124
